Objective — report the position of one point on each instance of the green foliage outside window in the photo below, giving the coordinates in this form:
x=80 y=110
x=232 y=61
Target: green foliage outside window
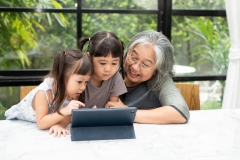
x=31 y=37
x=198 y=4
x=19 y=31
x=31 y=40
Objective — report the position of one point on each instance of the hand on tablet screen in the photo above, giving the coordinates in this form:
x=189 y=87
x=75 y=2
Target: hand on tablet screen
x=72 y=105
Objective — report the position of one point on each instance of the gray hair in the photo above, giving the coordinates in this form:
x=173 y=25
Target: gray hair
x=163 y=53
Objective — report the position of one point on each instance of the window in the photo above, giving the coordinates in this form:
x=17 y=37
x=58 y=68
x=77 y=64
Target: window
x=33 y=32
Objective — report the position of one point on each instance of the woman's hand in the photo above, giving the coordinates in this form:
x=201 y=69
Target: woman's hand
x=74 y=104
x=118 y=104
x=57 y=130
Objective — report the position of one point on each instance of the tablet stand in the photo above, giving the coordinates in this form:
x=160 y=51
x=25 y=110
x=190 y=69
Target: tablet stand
x=102 y=133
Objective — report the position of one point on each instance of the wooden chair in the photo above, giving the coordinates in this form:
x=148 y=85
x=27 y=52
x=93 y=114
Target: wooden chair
x=24 y=90
x=190 y=93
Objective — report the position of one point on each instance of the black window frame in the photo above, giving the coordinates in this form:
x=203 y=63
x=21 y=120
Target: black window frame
x=164 y=24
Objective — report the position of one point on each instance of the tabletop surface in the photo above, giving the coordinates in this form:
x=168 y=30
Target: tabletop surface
x=209 y=134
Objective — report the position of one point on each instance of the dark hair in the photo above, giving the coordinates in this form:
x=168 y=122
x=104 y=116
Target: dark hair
x=102 y=43
x=67 y=63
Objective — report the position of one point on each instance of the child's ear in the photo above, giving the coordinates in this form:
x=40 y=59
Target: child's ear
x=88 y=55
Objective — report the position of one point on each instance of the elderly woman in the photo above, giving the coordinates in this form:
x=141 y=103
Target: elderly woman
x=148 y=64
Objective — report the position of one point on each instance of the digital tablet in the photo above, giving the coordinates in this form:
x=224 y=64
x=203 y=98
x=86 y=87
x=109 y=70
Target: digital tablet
x=91 y=117
x=103 y=124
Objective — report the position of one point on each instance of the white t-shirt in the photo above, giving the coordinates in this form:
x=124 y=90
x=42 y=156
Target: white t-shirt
x=24 y=111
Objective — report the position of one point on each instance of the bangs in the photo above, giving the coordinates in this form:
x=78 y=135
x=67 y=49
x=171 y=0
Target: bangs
x=83 y=67
x=109 y=46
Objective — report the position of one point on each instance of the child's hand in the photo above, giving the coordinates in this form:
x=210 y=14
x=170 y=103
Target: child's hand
x=72 y=105
x=57 y=130
x=118 y=104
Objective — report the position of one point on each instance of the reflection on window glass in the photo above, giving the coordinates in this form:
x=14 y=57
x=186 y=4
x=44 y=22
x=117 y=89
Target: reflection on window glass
x=7 y=92
x=199 y=4
x=124 y=25
x=211 y=94
x=202 y=43
x=31 y=40
x=116 y=4
x=40 y=4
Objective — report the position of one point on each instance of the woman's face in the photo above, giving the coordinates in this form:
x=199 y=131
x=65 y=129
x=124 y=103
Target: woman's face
x=139 y=65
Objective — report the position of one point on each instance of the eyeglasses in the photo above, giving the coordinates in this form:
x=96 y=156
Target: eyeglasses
x=143 y=66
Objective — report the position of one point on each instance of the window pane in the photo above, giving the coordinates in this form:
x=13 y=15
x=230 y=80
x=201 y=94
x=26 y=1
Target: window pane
x=198 y=4
x=5 y=103
x=116 y=4
x=124 y=25
x=39 y=4
x=202 y=43
x=31 y=40
x=211 y=94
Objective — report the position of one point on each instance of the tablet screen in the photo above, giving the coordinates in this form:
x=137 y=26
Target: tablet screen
x=90 y=117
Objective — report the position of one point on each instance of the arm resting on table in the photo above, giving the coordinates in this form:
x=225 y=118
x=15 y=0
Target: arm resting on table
x=161 y=115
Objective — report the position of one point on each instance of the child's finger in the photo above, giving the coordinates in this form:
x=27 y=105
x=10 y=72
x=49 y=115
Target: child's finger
x=80 y=103
x=108 y=105
x=67 y=132
x=75 y=105
x=54 y=133
x=50 y=131
x=63 y=133
x=59 y=133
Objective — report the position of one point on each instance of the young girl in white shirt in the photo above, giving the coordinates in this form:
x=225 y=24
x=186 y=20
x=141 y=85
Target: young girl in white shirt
x=52 y=101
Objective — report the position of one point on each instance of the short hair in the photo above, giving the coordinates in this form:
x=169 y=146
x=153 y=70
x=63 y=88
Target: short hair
x=163 y=50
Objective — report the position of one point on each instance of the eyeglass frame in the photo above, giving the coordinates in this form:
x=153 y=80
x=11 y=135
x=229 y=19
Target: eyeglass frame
x=136 y=61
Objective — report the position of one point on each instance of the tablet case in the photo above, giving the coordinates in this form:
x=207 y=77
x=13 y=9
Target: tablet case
x=102 y=123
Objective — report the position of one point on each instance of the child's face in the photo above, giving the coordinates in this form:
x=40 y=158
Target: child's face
x=105 y=67
x=76 y=84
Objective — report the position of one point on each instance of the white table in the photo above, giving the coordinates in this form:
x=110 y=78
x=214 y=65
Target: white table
x=211 y=134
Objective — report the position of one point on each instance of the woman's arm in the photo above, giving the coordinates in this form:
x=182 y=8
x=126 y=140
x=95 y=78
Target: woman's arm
x=161 y=115
x=174 y=107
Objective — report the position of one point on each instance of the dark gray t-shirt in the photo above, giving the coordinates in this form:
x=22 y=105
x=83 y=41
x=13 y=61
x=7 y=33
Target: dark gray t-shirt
x=169 y=95
x=139 y=96
x=100 y=96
